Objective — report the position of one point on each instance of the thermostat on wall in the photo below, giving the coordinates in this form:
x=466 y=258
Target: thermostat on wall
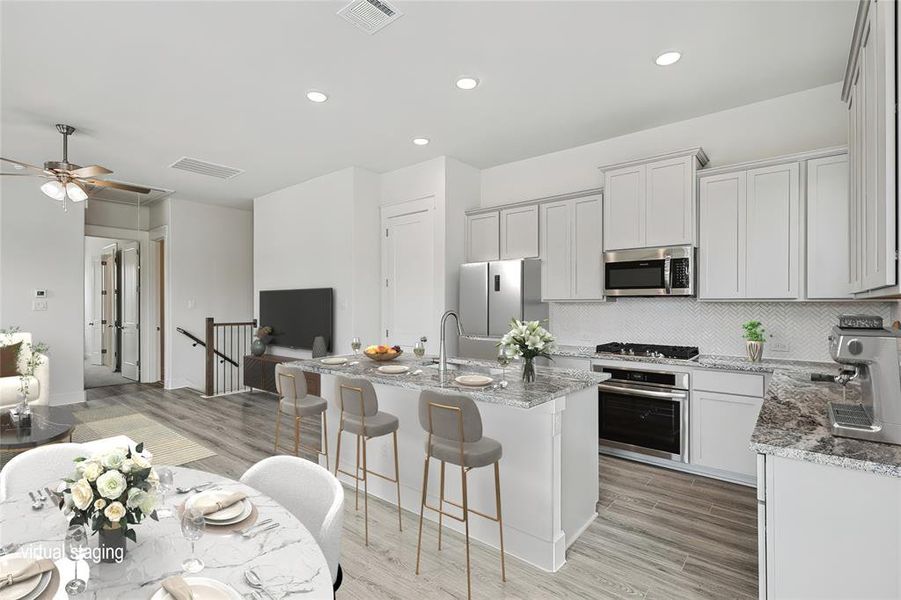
x=40 y=293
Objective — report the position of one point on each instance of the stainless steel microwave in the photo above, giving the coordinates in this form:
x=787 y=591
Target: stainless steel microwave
x=668 y=271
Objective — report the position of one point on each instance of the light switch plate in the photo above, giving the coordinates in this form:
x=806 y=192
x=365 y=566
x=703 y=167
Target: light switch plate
x=39 y=305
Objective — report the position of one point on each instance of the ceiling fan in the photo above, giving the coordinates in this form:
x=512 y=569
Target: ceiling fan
x=68 y=181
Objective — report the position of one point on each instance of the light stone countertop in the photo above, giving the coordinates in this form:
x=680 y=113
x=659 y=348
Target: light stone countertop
x=550 y=382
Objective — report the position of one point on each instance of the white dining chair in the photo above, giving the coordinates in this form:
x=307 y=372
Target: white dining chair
x=39 y=467
x=311 y=494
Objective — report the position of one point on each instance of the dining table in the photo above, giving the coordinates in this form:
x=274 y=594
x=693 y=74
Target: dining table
x=287 y=558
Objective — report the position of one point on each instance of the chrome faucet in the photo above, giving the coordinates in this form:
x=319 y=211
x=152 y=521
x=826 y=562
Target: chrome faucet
x=442 y=352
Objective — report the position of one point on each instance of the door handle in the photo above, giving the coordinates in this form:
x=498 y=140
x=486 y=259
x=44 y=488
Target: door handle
x=667 y=274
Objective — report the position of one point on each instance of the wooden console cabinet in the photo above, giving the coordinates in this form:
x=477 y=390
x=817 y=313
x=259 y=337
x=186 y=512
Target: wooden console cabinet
x=259 y=373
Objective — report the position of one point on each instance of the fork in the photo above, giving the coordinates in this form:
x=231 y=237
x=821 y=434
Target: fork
x=257 y=532
x=255 y=525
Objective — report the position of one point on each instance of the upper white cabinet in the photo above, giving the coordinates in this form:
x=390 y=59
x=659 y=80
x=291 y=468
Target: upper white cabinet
x=828 y=242
x=570 y=248
x=519 y=232
x=483 y=237
x=870 y=90
x=750 y=233
x=651 y=202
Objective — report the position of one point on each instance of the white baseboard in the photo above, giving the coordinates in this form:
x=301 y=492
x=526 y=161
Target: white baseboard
x=69 y=398
x=174 y=384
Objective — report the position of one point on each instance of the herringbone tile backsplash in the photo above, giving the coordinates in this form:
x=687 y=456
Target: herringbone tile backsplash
x=715 y=327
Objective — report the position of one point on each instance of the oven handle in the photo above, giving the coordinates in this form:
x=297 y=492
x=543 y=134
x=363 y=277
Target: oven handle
x=646 y=393
x=667 y=274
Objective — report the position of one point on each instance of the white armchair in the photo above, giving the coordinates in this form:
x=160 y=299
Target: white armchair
x=39 y=384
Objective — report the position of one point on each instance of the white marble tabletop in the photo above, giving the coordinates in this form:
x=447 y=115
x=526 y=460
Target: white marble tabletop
x=288 y=558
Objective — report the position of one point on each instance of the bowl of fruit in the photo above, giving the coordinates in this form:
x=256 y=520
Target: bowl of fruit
x=382 y=352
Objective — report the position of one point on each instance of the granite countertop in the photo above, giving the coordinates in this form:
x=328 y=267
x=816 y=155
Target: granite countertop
x=550 y=382
x=793 y=423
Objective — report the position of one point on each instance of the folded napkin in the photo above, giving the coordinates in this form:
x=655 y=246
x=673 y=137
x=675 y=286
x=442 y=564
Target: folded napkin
x=211 y=502
x=178 y=588
x=32 y=569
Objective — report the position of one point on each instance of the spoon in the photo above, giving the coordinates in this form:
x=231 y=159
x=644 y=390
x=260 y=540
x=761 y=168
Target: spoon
x=254 y=526
x=42 y=495
x=193 y=488
x=254 y=581
x=35 y=503
x=257 y=532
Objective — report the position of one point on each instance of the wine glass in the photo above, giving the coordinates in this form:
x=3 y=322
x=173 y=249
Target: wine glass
x=355 y=345
x=419 y=347
x=192 y=525
x=503 y=359
x=166 y=482
x=76 y=544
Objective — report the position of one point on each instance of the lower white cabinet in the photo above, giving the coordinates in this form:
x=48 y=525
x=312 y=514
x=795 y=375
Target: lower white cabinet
x=570 y=249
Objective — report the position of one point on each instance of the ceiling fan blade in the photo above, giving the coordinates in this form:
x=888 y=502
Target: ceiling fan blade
x=27 y=175
x=25 y=165
x=90 y=171
x=118 y=186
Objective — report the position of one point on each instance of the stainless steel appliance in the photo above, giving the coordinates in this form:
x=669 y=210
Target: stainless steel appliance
x=492 y=293
x=872 y=356
x=644 y=412
x=668 y=271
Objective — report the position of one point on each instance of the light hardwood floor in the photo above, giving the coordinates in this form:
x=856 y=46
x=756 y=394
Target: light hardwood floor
x=659 y=534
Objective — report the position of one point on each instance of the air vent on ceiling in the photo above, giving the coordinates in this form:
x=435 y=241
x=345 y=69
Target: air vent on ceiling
x=370 y=15
x=202 y=167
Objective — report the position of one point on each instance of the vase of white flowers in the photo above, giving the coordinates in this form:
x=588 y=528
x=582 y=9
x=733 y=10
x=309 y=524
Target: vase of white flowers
x=109 y=493
x=527 y=339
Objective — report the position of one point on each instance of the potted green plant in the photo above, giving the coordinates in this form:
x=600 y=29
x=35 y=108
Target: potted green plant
x=34 y=358
x=754 y=339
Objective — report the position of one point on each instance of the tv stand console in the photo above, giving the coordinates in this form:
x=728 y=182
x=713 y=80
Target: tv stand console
x=259 y=373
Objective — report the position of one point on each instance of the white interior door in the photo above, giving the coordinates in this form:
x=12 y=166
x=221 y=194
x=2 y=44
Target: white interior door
x=130 y=315
x=95 y=325
x=408 y=267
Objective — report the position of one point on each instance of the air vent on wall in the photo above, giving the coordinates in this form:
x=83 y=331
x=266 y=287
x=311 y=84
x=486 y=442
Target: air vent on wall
x=202 y=167
x=370 y=15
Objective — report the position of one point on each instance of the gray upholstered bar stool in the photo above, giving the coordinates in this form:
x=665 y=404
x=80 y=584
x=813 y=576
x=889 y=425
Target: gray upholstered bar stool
x=454 y=426
x=291 y=386
x=360 y=415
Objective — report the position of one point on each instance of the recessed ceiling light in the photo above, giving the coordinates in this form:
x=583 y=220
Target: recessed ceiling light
x=420 y=141
x=316 y=96
x=668 y=58
x=467 y=83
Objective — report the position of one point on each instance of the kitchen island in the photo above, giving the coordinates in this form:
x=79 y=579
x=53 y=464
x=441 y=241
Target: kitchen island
x=549 y=433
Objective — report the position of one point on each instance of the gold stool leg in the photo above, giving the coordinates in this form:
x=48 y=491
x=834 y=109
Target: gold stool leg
x=425 y=487
x=278 y=422
x=357 y=477
x=324 y=440
x=296 y=436
x=466 y=524
x=441 y=507
x=338 y=449
x=365 y=493
x=500 y=519
x=400 y=520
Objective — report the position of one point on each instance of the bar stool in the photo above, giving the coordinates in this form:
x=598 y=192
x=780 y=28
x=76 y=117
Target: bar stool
x=454 y=426
x=360 y=415
x=294 y=399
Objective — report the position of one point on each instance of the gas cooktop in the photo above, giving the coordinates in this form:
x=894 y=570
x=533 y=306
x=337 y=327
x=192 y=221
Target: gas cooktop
x=650 y=350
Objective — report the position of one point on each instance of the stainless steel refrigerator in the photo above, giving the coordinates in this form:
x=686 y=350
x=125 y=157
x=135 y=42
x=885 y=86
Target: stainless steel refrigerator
x=493 y=293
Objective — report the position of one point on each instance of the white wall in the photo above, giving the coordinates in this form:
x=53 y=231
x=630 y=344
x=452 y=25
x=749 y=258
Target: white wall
x=210 y=275
x=42 y=247
x=115 y=214
x=814 y=118
x=323 y=233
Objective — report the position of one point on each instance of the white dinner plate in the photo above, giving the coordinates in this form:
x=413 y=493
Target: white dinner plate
x=238 y=510
x=333 y=360
x=24 y=590
x=473 y=380
x=202 y=588
x=393 y=369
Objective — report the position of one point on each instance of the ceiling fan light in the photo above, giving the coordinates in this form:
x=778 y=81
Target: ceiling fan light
x=75 y=193
x=54 y=189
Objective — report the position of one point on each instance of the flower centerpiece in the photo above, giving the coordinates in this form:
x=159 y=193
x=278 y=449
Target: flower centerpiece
x=754 y=339
x=527 y=339
x=109 y=493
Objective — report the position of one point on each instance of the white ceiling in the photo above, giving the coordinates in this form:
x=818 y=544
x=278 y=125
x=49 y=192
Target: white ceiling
x=147 y=83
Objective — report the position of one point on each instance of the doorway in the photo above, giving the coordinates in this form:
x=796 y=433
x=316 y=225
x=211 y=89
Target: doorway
x=112 y=312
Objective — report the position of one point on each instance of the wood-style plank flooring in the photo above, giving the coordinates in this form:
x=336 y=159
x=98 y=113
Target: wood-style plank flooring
x=659 y=534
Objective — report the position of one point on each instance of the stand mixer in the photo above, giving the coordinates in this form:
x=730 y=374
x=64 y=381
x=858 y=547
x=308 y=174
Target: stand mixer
x=872 y=359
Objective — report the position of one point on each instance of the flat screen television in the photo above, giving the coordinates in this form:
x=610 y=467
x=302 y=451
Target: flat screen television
x=298 y=316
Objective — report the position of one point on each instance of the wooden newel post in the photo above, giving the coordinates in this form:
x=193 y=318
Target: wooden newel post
x=210 y=360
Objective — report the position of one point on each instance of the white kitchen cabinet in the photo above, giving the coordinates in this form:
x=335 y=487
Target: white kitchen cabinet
x=750 y=230
x=483 y=237
x=651 y=202
x=828 y=244
x=871 y=93
x=519 y=232
x=721 y=427
x=570 y=249
x=773 y=231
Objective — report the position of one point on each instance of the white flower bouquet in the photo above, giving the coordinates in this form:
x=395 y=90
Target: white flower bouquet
x=527 y=339
x=112 y=490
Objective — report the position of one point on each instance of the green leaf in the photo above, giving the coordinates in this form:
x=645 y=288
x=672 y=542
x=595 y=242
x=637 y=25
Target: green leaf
x=139 y=448
x=130 y=534
x=79 y=459
x=154 y=516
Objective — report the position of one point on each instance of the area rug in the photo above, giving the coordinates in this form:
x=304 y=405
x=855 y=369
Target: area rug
x=168 y=447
